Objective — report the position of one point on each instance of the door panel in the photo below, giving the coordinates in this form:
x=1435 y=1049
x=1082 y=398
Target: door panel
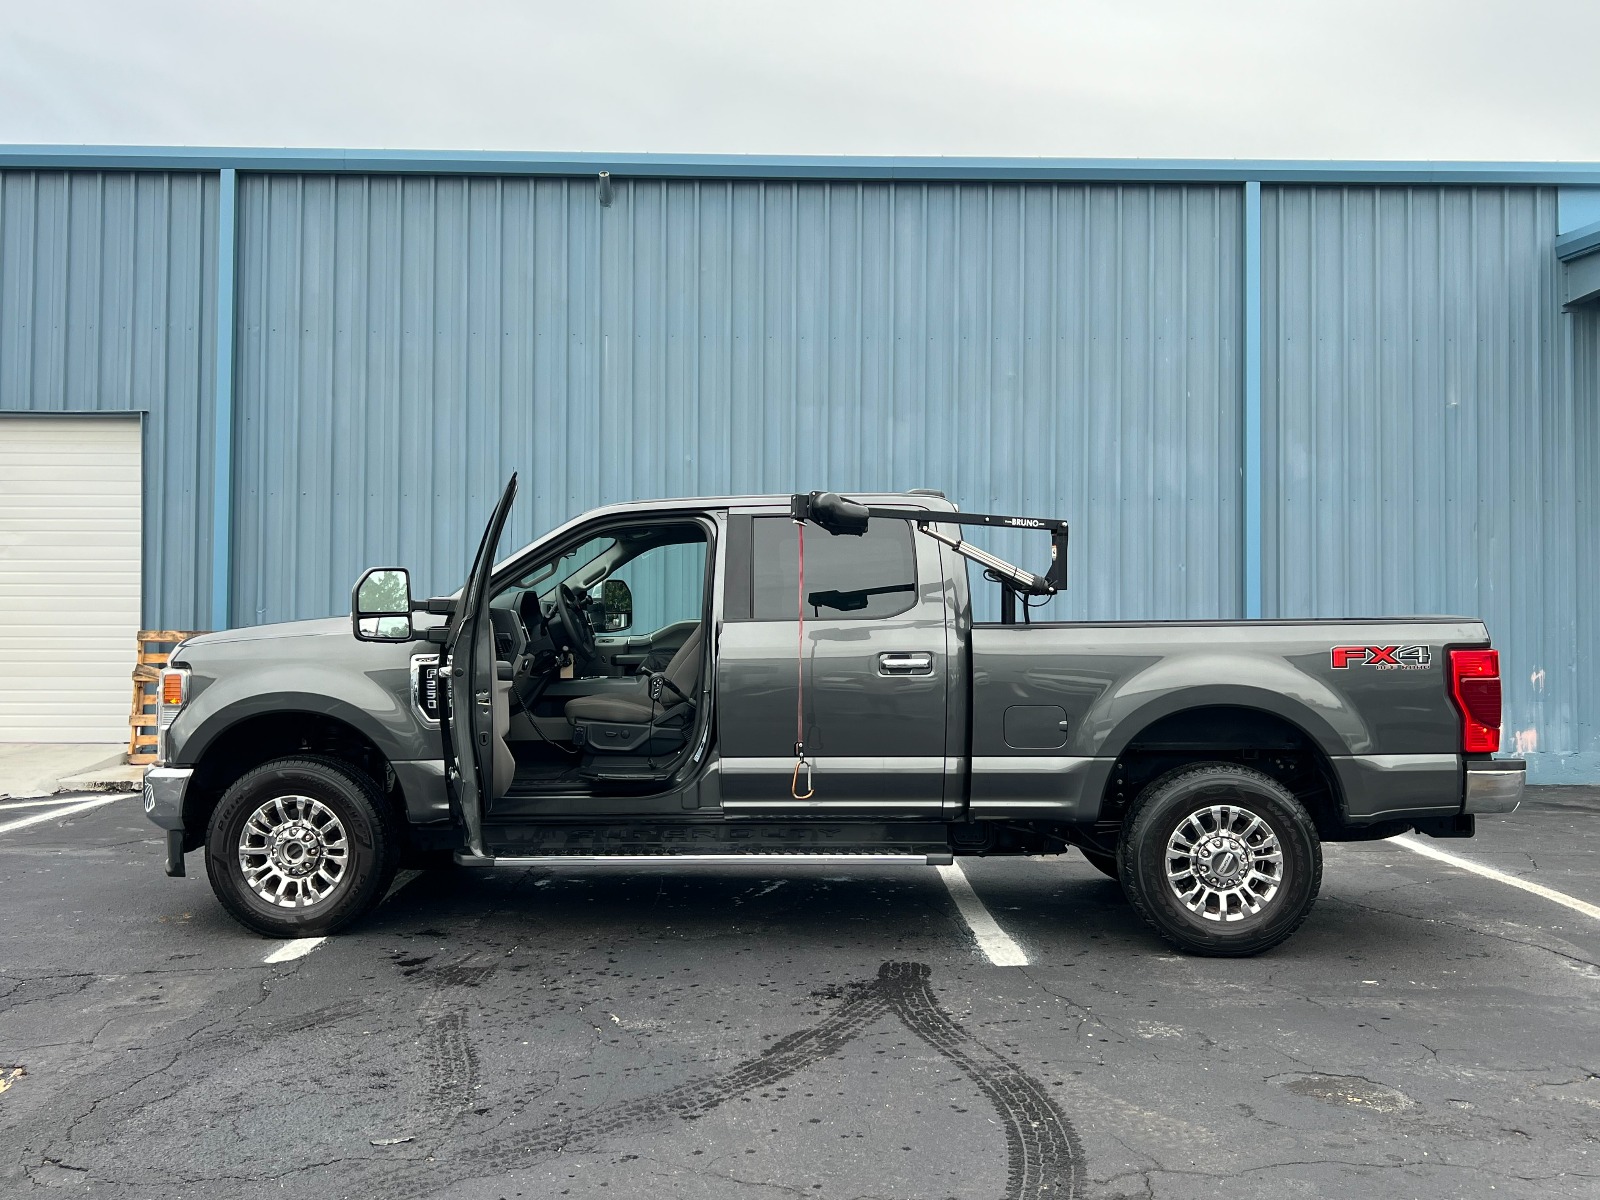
x=471 y=725
x=874 y=690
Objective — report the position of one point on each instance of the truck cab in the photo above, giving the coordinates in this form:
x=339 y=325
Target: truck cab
x=587 y=674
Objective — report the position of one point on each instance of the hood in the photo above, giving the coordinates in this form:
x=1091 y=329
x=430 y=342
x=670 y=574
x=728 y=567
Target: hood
x=325 y=639
x=320 y=627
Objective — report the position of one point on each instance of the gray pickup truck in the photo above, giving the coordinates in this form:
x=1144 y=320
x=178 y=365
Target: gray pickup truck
x=802 y=676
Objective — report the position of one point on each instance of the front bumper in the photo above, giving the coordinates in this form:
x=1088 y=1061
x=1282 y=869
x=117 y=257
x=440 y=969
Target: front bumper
x=164 y=789
x=1494 y=785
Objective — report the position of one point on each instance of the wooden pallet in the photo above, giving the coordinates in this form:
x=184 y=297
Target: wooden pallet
x=154 y=647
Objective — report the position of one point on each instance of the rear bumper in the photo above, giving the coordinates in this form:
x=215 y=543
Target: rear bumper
x=1494 y=785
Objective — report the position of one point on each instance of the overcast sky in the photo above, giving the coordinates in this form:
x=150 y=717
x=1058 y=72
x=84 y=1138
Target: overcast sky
x=1464 y=79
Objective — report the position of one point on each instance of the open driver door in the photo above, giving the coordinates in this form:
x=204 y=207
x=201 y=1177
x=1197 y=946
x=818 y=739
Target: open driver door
x=474 y=749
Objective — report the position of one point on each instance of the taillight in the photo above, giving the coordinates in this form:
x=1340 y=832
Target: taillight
x=1475 y=685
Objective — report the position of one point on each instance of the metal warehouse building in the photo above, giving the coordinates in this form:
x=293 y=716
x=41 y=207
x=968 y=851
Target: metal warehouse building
x=229 y=380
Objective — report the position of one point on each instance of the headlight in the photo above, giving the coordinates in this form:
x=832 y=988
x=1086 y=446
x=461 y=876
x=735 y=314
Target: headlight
x=174 y=693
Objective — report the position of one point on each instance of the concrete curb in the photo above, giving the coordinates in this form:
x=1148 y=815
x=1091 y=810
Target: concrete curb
x=35 y=770
x=116 y=778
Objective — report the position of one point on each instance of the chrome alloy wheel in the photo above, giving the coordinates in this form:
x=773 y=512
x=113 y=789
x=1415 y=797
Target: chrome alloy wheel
x=293 y=851
x=1224 y=863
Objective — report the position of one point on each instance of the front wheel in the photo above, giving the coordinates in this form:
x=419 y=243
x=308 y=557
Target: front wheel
x=301 y=847
x=1220 y=859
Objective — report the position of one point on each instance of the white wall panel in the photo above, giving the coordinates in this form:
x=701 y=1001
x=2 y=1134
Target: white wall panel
x=69 y=576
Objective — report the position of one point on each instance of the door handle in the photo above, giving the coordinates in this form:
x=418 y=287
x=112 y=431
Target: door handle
x=915 y=662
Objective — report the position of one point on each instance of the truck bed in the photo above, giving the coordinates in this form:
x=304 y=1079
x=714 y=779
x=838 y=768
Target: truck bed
x=1054 y=705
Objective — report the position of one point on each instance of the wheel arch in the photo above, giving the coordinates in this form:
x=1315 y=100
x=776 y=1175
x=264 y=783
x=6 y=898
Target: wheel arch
x=1292 y=696
x=1239 y=734
x=234 y=749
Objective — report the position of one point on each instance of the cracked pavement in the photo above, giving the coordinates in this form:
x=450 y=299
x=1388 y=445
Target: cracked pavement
x=716 y=1033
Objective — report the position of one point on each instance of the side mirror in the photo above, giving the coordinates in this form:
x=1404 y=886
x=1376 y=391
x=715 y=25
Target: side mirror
x=380 y=606
x=616 y=606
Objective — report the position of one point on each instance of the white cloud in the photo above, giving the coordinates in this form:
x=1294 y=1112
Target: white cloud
x=1115 y=78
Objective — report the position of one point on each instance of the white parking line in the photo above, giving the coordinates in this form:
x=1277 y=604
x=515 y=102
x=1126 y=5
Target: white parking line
x=300 y=947
x=42 y=802
x=995 y=942
x=80 y=806
x=1538 y=889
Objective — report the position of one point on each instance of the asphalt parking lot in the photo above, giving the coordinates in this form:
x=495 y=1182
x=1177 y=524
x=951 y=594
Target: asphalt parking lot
x=799 y=1031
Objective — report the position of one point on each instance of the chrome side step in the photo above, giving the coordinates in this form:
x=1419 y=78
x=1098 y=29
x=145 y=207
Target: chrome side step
x=551 y=860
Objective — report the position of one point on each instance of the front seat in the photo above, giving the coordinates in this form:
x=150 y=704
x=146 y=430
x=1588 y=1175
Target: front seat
x=622 y=723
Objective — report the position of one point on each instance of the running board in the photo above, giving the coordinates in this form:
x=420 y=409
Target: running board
x=546 y=860
x=715 y=839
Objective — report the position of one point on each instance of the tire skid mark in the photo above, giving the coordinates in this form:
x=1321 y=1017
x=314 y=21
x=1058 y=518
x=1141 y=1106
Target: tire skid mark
x=449 y=1061
x=316 y=1018
x=1045 y=1158
x=465 y=973
x=686 y=1102
x=451 y=1065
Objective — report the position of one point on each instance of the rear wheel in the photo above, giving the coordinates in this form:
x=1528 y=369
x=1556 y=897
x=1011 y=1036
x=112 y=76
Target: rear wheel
x=301 y=847
x=1220 y=859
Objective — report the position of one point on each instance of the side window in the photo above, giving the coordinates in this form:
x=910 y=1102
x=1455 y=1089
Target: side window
x=668 y=586
x=862 y=578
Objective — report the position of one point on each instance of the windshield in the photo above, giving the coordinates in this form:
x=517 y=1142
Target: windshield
x=546 y=575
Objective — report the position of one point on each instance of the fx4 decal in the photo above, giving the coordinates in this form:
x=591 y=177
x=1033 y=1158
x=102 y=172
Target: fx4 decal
x=1385 y=658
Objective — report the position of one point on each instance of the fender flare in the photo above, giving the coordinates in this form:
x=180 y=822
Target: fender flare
x=354 y=700
x=1184 y=683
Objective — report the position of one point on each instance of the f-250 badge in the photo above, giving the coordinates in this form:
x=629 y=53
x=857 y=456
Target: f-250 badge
x=1385 y=658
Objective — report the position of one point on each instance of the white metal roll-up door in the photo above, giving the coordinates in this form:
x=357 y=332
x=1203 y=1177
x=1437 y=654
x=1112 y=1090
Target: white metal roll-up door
x=69 y=576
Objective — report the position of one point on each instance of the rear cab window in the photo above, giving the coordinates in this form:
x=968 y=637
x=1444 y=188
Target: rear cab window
x=865 y=578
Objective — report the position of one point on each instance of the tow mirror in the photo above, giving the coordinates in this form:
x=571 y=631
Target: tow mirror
x=616 y=605
x=380 y=605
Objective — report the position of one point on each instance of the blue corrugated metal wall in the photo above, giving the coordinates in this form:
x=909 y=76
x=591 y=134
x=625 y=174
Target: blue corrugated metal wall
x=1423 y=445
x=404 y=343
x=107 y=302
x=1571 y=753
x=1431 y=417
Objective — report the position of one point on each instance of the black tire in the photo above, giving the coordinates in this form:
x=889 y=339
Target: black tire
x=1106 y=864
x=371 y=841
x=1170 y=802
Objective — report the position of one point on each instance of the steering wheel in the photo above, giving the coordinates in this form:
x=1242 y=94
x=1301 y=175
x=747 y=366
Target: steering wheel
x=580 y=634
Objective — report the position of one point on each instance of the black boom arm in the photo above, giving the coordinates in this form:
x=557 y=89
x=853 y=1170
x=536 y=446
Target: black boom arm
x=836 y=514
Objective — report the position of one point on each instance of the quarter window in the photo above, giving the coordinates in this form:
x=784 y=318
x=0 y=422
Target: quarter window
x=862 y=578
